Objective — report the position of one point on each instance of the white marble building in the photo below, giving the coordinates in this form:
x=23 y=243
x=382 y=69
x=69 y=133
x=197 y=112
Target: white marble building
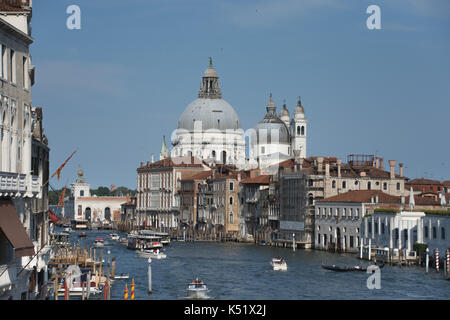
x=209 y=128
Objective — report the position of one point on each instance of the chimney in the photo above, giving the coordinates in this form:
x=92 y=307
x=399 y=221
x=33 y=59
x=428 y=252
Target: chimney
x=381 y=164
x=401 y=169
x=392 y=168
x=327 y=169
x=339 y=162
x=377 y=162
x=320 y=164
x=153 y=158
x=239 y=176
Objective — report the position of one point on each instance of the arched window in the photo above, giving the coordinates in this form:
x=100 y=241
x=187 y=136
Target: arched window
x=231 y=200
x=303 y=131
x=384 y=186
x=369 y=185
x=333 y=184
x=434 y=232
x=213 y=154
x=298 y=130
x=231 y=217
x=426 y=231
x=224 y=157
x=344 y=184
x=107 y=213
x=310 y=199
x=442 y=233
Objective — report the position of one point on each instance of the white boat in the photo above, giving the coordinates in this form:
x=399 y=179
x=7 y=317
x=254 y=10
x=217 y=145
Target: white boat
x=122 y=276
x=77 y=290
x=151 y=253
x=67 y=229
x=278 y=264
x=114 y=236
x=99 y=242
x=197 y=289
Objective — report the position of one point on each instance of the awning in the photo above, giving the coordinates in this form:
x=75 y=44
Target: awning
x=14 y=230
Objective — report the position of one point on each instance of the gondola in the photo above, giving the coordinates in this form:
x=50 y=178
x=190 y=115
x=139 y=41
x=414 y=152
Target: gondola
x=348 y=269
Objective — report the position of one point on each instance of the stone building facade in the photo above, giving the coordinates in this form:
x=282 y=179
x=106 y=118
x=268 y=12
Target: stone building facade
x=24 y=163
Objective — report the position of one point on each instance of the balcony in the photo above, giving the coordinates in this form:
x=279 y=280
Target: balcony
x=19 y=185
x=8 y=273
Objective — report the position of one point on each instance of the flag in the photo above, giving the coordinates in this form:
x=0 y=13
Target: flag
x=61 y=198
x=52 y=216
x=58 y=172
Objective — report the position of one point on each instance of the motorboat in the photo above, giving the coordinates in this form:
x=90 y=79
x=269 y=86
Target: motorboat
x=114 y=236
x=123 y=241
x=278 y=264
x=99 y=242
x=67 y=229
x=122 y=276
x=197 y=289
x=151 y=253
x=82 y=235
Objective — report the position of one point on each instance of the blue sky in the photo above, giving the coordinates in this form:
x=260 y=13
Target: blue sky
x=115 y=87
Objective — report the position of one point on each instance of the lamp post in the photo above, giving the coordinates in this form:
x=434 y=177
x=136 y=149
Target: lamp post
x=293 y=242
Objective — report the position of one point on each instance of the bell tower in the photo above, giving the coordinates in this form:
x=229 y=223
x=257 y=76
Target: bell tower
x=298 y=130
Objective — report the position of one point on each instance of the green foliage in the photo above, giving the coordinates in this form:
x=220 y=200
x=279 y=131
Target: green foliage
x=420 y=248
x=387 y=210
x=438 y=212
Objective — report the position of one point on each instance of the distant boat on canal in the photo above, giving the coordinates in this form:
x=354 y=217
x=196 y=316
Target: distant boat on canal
x=197 y=289
x=279 y=264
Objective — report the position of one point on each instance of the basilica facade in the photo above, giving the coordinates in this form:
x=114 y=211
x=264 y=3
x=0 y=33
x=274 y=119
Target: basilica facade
x=209 y=129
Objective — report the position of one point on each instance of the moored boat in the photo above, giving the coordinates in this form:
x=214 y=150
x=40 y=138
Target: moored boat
x=278 y=264
x=122 y=276
x=151 y=253
x=114 y=236
x=197 y=289
x=82 y=235
x=99 y=242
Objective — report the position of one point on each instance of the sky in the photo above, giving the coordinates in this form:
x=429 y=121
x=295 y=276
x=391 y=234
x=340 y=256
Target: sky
x=113 y=88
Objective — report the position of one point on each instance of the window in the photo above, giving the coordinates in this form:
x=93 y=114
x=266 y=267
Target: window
x=344 y=212
x=357 y=212
x=376 y=228
x=382 y=228
x=231 y=186
x=25 y=72
x=303 y=131
x=344 y=184
x=81 y=193
x=298 y=130
x=370 y=227
x=231 y=200
x=4 y=63
x=442 y=233
x=231 y=217
x=384 y=186
x=434 y=232
x=369 y=185
x=398 y=185
x=13 y=65
x=426 y=231
x=333 y=184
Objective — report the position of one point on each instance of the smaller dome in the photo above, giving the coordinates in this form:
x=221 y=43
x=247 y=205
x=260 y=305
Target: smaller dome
x=299 y=108
x=80 y=173
x=284 y=112
x=210 y=72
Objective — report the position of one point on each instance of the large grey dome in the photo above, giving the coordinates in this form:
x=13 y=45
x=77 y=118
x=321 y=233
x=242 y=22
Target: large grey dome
x=213 y=114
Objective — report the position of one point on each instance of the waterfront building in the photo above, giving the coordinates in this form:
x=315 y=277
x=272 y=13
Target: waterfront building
x=400 y=230
x=193 y=215
x=24 y=163
x=209 y=128
x=338 y=218
x=425 y=185
x=102 y=210
x=256 y=209
x=128 y=210
x=158 y=185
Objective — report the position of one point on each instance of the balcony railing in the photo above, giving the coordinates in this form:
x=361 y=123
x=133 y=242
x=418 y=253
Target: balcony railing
x=19 y=185
x=8 y=274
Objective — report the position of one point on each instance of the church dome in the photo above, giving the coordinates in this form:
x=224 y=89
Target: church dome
x=213 y=114
x=270 y=126
x=299 y=110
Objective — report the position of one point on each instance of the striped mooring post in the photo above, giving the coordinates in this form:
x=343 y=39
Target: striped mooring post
x=132 y=289
x=437 y=260
x=448 y=261
x=125 y=295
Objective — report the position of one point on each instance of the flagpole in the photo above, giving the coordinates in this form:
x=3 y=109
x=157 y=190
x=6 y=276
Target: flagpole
x=57 y=172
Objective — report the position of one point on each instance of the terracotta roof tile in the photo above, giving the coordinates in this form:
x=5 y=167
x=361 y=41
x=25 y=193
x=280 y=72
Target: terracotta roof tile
x=262 y=179
x=363 y=196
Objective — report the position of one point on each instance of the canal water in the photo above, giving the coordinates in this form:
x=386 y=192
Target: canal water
x=237 y=271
